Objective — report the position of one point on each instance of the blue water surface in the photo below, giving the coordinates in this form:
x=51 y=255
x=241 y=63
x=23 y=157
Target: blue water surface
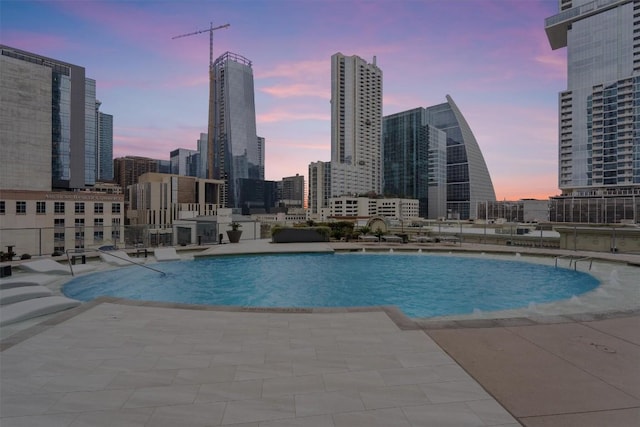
x=420 y=285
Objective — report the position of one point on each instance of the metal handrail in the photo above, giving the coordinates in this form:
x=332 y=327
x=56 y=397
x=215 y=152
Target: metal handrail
x=110 y=254
x=575 y=263
x=563 y=256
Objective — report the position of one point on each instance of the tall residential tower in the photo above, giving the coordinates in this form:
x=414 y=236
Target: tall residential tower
x=356 y=126
x=599 y=119
x=596 y=111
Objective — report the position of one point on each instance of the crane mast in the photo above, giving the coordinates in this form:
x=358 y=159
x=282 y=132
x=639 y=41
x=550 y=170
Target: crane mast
x=211 y=121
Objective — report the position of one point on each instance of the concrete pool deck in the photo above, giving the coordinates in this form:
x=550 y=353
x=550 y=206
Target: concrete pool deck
x=118 y=362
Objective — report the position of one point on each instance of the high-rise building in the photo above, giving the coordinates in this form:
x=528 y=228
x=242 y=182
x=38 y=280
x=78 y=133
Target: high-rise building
x=414 y=161
x=235 y=140
x=104 y=146
x=319 y=187
x=184 y=162
x=202 y=144
x=261 y=153
x=128 y=169
x=599 y=120
x=468 y=179
x=291 y=191
x=356 y=126
x=48 y=115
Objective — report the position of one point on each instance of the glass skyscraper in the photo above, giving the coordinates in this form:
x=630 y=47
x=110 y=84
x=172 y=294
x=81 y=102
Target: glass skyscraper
x=236 y=147
x=414 y=161
x=105 y=145
x=599 y=114
x=468 y=179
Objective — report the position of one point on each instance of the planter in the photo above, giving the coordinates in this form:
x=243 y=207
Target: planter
x=234 y=235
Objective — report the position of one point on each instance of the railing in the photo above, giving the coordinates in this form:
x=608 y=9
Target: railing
x=574 y=261
x=71 y=259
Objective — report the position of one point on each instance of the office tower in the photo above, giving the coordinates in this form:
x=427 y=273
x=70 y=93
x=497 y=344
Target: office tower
x=356 y=126
x=202 y=144
x=414 y=161
x=235 y=141
x=468 y=179
x=319 y=186
x=261 y=153
x=56 y=121
x=291 y=191
x=184 y=162
x=599 y=122
x=90 y=134
x=104 y=162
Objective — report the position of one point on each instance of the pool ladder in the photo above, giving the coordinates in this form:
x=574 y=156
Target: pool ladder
x=574 y=261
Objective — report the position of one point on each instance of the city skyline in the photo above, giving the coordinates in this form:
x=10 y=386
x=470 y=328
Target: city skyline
x=491 y=56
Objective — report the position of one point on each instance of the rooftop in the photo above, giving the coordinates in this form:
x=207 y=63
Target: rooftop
x=117 y=362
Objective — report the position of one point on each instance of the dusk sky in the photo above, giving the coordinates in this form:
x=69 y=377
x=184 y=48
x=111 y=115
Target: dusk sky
x=491 y=56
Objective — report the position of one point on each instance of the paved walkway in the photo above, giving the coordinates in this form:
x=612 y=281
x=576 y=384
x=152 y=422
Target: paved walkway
x=114 y=363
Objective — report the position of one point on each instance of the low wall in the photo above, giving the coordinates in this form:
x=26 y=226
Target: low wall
x=299 y=235
x=600 y=239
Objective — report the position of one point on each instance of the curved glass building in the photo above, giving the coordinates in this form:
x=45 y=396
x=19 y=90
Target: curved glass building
x=468 y=179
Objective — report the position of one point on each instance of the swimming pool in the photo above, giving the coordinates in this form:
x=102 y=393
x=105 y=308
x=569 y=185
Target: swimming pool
x=420 y=285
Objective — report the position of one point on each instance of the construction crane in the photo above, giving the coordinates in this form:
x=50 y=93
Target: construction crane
x=210 y=30
x=211 y=124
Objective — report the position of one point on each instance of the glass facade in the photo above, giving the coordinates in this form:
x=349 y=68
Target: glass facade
x=105 y=146
x=468 y=179
x=405 y=147
x=599 y=112
x=61 y=125
x=90 y=134
x=236 y=148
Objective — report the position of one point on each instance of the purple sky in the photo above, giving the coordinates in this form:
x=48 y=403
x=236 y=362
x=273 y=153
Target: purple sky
x=491 y=56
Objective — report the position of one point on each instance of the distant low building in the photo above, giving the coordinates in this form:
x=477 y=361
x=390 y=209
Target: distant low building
x=364 y=207
x=525 y=210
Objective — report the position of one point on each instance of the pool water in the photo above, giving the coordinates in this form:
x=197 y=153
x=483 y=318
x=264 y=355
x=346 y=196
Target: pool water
x=420 y=285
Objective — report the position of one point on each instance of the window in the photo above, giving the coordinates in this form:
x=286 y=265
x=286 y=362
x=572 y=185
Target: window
x=79 y=222
x=2 y=207
x=98 y=222
x=41 y=207
x=98 y=208
x=58 y=222
x=58 y=236
x=98 y=236
x=115 y=208
x=58 y=207
x=79 y=207
x=21 y=207
x=115 y=221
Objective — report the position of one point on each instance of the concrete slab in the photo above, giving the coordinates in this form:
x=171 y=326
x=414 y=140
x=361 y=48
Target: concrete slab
x=550 y=370
x=161 y=365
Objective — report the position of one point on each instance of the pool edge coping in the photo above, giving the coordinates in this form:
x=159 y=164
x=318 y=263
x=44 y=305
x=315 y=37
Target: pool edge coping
x=402 y=321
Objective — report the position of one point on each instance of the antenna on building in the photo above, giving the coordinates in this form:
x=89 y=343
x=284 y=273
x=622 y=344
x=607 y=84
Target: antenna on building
x=374 y=60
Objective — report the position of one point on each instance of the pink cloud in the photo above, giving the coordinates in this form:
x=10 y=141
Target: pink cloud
x=302 y=70
x=290 y=115
x=293 y=90
x=36 y=42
